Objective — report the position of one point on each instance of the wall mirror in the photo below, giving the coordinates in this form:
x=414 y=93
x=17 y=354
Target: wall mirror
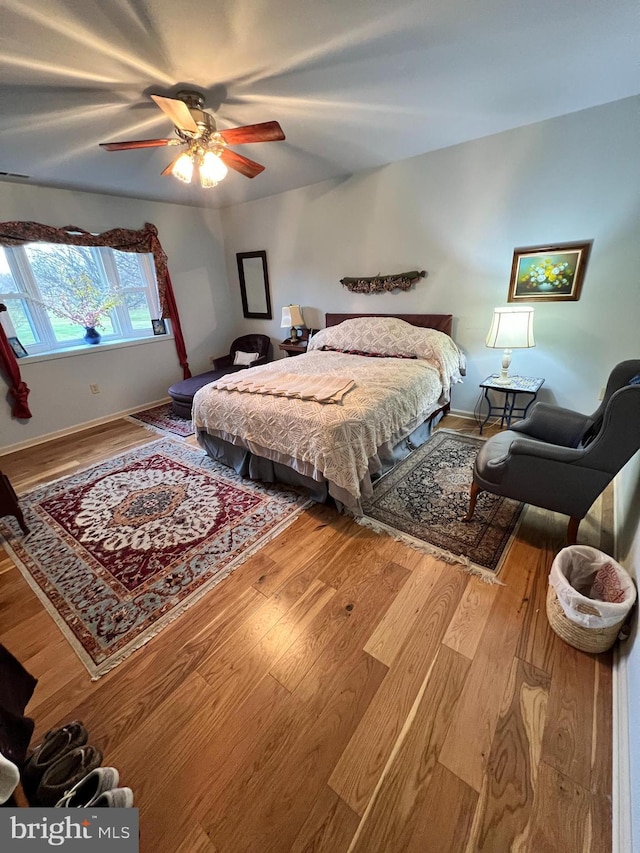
x=254 y=284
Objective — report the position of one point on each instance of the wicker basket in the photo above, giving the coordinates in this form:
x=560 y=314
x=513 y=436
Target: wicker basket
x=586 y=639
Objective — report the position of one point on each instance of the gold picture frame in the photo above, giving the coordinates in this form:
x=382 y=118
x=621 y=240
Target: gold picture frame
x=549 y=273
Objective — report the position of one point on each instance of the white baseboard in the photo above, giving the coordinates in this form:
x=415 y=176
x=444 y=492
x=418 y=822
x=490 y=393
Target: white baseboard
x=622 y=839
x=61 y=433
x=461 y=413
x=621 y=800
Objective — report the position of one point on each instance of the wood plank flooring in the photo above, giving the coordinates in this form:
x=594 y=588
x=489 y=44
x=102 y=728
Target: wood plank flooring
x=340 y=693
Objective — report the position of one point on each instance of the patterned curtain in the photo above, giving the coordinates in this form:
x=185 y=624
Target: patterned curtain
x=18 y=389
x=143 y=240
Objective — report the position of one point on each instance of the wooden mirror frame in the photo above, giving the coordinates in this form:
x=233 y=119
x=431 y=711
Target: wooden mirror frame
x=256 y=315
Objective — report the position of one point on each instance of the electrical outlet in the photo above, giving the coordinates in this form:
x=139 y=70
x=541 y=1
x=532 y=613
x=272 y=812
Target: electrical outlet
x=95 y=389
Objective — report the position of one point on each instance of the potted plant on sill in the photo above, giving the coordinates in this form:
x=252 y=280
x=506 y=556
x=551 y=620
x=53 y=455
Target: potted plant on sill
x=79 y=300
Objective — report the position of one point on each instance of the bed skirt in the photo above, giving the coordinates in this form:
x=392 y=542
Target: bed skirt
x=263 y=464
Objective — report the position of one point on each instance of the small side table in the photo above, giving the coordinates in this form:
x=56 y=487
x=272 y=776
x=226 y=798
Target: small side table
x=292 y=349
x=9 y=502
x=529 y=385
x=300 y=346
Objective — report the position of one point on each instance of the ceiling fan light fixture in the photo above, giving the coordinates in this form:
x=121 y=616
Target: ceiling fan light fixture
x=207 y=149
x=212 y=170
x=183 y=168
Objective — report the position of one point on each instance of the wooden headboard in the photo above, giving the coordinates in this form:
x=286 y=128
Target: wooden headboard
x=441 y=322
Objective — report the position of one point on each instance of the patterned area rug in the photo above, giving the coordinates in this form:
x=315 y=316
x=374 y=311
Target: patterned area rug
x=118 y=551
x=161 y=419
x=423 y=499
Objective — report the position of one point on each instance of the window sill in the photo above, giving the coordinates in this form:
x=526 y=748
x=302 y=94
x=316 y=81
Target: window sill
x=82 y=349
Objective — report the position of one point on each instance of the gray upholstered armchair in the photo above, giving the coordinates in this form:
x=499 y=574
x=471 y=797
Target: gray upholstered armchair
x=559 y=459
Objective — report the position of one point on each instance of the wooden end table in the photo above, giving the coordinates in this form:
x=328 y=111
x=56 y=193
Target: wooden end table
x=292 y=349
x=300 y=346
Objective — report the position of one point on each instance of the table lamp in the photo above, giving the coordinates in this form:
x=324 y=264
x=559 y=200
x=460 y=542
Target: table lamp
x=292 y=317
x=511 y=328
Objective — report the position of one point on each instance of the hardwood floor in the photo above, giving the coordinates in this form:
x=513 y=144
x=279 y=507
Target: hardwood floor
x=340 y=692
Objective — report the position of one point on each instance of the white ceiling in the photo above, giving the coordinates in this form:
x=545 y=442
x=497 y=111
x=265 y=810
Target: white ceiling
x=355 y=84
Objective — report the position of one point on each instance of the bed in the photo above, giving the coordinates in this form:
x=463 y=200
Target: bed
x=397 y=371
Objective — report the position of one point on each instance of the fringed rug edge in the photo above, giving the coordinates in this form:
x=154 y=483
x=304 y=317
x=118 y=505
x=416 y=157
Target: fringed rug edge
x=158 y=429
x=69 y=636
x=150 y=427
x=96 y=671
x=459 y=560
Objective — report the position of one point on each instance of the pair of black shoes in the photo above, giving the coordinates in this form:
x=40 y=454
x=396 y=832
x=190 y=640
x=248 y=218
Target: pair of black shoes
x=57 y=764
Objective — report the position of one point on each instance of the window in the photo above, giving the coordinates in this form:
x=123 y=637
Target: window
x=37 y=277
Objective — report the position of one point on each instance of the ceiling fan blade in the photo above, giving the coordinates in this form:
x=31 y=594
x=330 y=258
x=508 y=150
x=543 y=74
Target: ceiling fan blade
x=267 y=131
x=138 y=143
x=177 y=111
x=241 y=164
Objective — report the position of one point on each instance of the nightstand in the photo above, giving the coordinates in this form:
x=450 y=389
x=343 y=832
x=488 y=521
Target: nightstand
x=507 y=410
x=292 y=349
x=300 y=347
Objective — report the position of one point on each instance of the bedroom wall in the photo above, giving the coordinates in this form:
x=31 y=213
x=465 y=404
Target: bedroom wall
x=459 y=213
x=132 y=376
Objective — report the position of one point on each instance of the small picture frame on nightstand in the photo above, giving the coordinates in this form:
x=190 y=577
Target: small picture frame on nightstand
x=18 y=350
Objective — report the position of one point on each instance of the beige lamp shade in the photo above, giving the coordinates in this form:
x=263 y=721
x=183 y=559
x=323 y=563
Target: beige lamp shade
x=511 y=328
x=291 y=316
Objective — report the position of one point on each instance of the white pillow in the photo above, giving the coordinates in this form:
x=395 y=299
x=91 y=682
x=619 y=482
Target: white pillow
x=245 y=358
x=393 y=337
x=384 y=335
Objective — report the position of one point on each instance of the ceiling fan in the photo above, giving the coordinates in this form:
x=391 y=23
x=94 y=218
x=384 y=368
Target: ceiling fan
x=206 y=147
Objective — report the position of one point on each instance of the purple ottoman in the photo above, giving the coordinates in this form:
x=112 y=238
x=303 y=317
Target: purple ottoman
x=182 y=392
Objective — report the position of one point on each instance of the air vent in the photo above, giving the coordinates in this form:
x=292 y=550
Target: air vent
x=14 y=175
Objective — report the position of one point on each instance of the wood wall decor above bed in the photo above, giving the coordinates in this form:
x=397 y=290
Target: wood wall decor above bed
x=383 y=283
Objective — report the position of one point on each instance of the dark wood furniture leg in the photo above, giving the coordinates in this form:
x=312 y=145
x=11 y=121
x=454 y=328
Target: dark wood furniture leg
x=473 y=497
x=572 y=531
x=9 y=502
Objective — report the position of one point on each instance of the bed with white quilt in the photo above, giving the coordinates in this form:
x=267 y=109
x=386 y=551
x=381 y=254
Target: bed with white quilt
x=367 y=391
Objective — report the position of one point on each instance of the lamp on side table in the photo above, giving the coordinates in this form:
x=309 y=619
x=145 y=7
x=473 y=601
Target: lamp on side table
x=511 y=328
x=292 y=317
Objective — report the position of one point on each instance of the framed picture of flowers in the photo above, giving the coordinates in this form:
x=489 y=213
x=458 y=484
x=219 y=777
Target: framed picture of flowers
x=548 y=273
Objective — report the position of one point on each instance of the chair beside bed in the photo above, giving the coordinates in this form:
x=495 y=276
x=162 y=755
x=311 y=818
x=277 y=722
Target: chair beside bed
x=246 y=351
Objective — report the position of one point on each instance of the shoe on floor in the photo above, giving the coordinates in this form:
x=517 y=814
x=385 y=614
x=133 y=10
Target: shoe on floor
x=54 y=745
x=66 y=772
x=84 y=793
x=117 y=798
x=9 y=778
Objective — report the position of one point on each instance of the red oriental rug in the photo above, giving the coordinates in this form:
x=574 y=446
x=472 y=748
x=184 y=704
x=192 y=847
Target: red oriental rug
x=118 y=551
x=162 y=419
